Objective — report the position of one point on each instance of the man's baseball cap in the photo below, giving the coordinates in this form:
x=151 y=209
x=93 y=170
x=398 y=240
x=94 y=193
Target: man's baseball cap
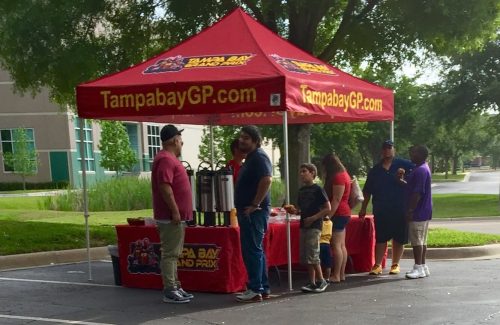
x=387 y=143
x=168 y=132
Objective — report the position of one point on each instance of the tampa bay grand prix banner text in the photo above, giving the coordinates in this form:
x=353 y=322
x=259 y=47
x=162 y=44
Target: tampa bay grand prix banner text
x=145 y=257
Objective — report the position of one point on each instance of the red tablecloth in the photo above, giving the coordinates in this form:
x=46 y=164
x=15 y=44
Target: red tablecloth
x=211 y=259
x=360 y=244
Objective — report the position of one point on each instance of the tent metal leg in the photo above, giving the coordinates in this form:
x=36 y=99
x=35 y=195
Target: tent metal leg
x=85 y=201
x=287 y=200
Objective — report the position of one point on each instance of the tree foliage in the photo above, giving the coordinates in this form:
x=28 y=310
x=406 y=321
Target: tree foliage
x=23 y=159
x=471 y=82
x=452 y=141
x=58 y=44
x=222 y=138
x=117 y=155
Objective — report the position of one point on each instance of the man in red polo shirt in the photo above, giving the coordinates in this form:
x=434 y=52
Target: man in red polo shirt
x=172 y=207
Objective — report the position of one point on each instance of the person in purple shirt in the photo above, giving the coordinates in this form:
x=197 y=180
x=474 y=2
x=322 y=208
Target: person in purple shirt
x=418 y=209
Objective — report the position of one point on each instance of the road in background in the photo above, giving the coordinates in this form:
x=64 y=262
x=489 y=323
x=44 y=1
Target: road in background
x=485 y=226
x=479 y=182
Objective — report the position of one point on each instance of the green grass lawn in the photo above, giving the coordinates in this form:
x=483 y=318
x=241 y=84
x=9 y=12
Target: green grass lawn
x=28 y=203
x=25 y=227
x=28 y=237
x=465 y=205
x=440 y=177
x=441 y=237
x=460 y=205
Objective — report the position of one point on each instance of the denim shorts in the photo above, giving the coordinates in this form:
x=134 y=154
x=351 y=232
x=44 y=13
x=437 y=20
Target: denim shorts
x=340 y=222
x=325 y=255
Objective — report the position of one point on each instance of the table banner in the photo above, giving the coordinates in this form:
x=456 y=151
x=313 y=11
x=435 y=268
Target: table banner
x=211 y=260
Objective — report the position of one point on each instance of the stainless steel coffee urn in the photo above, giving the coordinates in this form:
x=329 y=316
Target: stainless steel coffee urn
x=192 y=182
x=205 y=193
x=224 y=193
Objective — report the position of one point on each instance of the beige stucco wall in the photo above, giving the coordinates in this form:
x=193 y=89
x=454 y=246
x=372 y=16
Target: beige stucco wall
x=52 y=130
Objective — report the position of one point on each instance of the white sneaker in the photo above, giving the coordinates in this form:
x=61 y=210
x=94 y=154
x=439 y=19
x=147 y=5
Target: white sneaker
x=414 y=268
x=244 y=293
x=426 y=270
x=249 y=296
x=417 y=272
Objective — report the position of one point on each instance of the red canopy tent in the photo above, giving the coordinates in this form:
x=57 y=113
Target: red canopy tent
x=235 y=72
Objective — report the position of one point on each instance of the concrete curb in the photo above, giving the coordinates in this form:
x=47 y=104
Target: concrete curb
x=451 y=253
x=462 y=219
x=54 y=257
x=20 y=261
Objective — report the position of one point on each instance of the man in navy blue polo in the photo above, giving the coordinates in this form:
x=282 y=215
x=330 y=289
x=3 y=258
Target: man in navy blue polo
x=252 y=201
x=385 y=183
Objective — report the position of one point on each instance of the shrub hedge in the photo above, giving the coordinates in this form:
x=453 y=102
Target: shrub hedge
x=16 y=186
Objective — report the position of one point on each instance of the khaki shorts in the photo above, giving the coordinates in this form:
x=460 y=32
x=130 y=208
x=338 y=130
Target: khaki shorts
x=309 y=246
x=417 y=232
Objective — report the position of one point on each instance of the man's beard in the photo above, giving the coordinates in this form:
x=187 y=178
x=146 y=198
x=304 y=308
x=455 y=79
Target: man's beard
x=245 y=150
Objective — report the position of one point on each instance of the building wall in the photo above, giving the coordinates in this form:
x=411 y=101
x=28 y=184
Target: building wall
x=54 y=135
x=55 y=138
x=191 y=137
x=48 y=121
x=50 y=133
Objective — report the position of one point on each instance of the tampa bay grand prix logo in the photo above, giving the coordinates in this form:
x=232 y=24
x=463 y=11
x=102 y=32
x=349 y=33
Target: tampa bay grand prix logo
x=179 y=62
x=300 y=66
x=145 y=257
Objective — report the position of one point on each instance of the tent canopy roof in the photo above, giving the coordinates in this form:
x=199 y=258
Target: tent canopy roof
x=235 y=72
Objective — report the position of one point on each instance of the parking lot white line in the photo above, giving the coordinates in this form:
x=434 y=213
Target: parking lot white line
x=59 y=282
x=52 y=320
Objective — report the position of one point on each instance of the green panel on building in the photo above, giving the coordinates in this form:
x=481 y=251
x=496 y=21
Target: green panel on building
x=133 y=136
x=59 y=166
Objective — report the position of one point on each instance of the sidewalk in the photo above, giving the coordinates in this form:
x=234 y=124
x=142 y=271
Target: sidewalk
x=482 y=225
x=50 y=258
x=41 y=193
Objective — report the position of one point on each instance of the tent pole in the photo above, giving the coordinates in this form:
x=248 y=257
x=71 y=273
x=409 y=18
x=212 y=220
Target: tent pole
x=85 y=201
x=392 y=131
x=287 y=200
x=212 y=154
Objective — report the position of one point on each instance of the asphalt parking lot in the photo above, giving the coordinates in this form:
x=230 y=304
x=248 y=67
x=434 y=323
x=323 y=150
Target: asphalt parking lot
x=457 y=292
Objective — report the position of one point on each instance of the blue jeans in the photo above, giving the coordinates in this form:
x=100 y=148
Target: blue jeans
x=252 y=230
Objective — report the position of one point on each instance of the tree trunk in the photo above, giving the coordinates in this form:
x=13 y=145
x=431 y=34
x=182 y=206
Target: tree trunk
x=455 y=165
x=446 y=167
x=24 y=182
x=298 y=153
